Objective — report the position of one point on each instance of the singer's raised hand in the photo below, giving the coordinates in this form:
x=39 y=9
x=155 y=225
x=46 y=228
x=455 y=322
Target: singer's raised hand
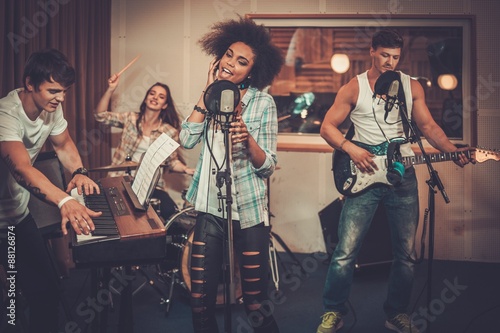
x=239 y=130
x=212 y=71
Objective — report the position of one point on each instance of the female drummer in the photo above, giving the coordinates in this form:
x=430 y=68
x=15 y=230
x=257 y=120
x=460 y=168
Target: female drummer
x=157 y=115
x=245 y=56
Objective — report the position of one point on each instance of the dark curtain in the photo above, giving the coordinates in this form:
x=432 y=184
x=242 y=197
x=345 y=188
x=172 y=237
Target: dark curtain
x=81 y=29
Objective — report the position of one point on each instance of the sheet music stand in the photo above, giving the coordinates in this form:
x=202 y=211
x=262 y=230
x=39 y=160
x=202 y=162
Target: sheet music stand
x=127 y=184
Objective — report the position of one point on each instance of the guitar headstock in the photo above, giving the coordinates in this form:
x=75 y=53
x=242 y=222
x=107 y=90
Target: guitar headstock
x=481 y=155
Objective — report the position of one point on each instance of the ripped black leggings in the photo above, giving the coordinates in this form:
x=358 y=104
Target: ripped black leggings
x=251 y=247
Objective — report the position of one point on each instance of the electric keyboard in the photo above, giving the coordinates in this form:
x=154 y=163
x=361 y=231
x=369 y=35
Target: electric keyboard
x=122 y=235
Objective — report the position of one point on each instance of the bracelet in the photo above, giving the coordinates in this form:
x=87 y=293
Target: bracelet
x=63 y=201
x=342 y=144
x=200 y=110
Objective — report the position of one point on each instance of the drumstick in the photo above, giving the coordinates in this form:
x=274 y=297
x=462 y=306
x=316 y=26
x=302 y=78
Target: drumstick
x=284 y=117
x=129 y=64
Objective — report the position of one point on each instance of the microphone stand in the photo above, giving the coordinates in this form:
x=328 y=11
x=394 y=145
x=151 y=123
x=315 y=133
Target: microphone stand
x=224 y=177
x=433 y=181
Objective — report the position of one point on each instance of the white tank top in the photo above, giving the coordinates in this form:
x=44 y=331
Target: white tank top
x=368 y=108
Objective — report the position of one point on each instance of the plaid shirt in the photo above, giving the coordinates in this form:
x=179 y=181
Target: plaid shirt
x=260 y=116
x=130 y=137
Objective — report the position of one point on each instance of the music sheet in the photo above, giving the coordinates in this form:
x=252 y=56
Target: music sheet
x=158 y=152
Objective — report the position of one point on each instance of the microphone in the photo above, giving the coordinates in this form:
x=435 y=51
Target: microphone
x=392 y=97
x=227 y=101
x=221 y=98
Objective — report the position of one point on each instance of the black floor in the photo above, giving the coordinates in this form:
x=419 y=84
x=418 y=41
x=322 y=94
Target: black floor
x=465 y=299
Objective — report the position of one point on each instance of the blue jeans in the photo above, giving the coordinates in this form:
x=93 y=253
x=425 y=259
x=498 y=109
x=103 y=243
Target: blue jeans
x=402 y=208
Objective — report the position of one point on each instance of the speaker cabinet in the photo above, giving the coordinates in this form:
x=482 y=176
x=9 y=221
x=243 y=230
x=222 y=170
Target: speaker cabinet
x=376 y=248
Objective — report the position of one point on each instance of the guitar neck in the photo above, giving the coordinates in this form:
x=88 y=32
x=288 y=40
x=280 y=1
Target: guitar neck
x=438 y=157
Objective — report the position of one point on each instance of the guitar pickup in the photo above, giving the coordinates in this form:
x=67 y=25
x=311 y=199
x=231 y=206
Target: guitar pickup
x=354 y=169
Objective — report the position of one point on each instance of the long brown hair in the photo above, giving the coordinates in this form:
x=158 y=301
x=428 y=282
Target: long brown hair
x=168 y=115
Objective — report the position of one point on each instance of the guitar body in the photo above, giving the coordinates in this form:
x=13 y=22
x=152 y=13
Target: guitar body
x=349 y=180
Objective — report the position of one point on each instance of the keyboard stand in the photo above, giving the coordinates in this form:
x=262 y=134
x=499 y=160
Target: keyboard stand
x=126 y=321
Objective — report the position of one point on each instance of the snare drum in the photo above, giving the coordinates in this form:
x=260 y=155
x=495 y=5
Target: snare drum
x=180 y=229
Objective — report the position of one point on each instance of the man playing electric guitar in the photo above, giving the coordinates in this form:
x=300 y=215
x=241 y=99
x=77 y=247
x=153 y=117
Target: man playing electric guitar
x=375 y=124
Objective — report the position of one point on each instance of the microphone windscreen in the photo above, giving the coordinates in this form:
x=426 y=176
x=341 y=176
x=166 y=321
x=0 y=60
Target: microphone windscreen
x=384 y=81
x=222 y=96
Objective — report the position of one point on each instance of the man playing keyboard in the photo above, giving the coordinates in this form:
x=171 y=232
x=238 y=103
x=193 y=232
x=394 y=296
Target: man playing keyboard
x=28 y=117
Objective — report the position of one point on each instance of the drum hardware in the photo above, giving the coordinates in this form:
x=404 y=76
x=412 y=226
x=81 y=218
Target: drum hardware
x=156 y=204
x=148 y=281
x=172 y=277
x=167 y=301
x=169 y=271
x=175 y=269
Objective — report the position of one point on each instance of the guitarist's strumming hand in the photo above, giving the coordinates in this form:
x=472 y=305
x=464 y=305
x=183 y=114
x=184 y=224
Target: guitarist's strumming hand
x=362 y=158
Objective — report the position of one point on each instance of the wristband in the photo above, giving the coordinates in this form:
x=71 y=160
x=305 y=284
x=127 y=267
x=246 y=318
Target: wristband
x=342 y=144
x=63 y=201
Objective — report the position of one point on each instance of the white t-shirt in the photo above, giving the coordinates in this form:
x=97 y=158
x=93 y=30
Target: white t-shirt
x=16 y=126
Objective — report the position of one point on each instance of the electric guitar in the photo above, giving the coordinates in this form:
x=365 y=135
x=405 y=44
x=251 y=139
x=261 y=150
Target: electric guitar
x=349 y=180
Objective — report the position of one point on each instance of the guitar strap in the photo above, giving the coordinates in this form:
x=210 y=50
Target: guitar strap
x=403 y=108
x=350 y=132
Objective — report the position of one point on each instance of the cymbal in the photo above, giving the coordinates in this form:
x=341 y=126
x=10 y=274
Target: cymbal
x=130 y=165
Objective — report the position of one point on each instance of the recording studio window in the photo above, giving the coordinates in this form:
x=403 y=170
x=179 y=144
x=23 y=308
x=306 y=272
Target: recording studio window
x=323 y=56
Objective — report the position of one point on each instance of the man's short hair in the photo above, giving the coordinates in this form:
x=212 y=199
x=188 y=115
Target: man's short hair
x=48 y=65
x=388 y=38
